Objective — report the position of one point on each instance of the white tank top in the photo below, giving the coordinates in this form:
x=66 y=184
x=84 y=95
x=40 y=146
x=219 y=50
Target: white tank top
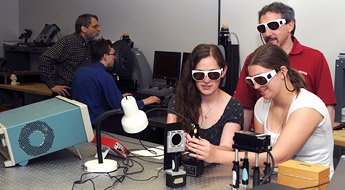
x=318 y=149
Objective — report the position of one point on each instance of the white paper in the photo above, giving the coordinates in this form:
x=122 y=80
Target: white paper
x=159 y=152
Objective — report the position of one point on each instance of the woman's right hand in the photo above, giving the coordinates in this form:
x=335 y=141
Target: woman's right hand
x=201 y=149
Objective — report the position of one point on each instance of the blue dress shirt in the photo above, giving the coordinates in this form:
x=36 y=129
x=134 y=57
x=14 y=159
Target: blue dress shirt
x=96 y=88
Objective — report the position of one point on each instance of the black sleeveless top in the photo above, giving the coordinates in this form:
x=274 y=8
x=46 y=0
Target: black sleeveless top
x=233 y=113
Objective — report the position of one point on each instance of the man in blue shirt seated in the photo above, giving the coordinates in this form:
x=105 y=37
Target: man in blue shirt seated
x=96 y=88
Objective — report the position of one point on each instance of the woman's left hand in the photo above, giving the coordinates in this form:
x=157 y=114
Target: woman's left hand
x=201 y=148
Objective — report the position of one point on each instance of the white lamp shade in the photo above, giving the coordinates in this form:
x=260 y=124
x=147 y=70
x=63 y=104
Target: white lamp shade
x=134 y=120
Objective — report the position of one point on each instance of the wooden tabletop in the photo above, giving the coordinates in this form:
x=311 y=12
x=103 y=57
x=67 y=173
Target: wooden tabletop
x=33 y=88
x=339 y=137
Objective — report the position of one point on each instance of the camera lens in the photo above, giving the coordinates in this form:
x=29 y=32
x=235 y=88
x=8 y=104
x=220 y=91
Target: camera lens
x=176 y=139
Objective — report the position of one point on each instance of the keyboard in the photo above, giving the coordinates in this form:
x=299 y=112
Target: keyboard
x=156 y=91
x=140 y=96
x=340 y=126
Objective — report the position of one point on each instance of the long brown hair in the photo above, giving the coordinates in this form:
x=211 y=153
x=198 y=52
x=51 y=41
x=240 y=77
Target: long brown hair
x=271 y=56
x=187 y=97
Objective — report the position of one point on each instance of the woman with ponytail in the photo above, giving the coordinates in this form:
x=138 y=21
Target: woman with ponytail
x=297 y=120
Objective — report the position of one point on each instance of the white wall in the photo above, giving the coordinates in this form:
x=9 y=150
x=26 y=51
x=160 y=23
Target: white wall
x=318 y=25
x=180 y=25
x=9 y=22
x=177 y=25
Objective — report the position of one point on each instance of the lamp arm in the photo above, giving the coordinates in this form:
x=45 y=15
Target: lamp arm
x=166 y=109
x=100 y=119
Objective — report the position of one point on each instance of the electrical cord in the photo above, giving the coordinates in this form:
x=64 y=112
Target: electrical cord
x=135 y=172
x=315 y=186
x=122 y=140
x=238 y=41
x=120 y=178
x=173 y=111
x=137 y=156
x=286 y=85
x=156 y=176
x=145 y=146
x=119 y=139
x=131 y=150
x=165 y=109
x=126 y=169
x=127 y=164
x=271 y=172
x=141 y=158
x=151 y=151
x=139 y=171
x=130 y=163
x=81 y=181
x=272 y=169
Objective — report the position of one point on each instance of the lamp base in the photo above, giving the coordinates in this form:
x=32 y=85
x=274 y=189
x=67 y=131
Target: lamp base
x=106 y=166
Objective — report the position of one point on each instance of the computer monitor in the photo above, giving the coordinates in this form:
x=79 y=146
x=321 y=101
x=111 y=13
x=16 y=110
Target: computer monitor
x=184 y=60
x=166 y=65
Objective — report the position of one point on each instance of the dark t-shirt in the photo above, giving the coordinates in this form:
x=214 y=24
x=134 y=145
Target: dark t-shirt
x=233 y=113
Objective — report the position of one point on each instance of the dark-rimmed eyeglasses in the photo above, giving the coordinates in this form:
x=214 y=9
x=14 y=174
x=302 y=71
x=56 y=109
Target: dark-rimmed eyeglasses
x=112 y=54
x=262 y=79
x=212 y=75
x=272 y=25
x=96 y=26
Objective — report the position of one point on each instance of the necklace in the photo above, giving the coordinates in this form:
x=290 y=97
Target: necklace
x=281 y=123
x=205 y=116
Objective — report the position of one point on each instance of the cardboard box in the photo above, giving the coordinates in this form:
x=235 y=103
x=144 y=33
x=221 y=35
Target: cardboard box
x=300 y=175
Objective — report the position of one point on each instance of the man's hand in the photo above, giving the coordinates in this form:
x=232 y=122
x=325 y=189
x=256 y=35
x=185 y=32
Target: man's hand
x=61 y=90
x=151 y=100
x=127 y=94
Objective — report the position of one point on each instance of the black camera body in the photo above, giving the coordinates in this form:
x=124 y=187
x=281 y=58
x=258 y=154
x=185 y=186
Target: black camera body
x=47 y=35
x=253 y=142
x=174 y=144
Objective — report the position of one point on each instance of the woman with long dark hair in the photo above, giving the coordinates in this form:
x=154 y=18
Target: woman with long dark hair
x=200 y=100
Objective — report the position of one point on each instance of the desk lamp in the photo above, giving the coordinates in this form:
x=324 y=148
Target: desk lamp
x=133 y=121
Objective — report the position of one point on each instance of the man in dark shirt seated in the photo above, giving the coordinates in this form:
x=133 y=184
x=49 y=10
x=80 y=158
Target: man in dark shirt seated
x=96 y=88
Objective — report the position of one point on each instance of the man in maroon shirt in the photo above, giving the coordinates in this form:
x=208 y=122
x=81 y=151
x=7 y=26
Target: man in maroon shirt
x=277 y=26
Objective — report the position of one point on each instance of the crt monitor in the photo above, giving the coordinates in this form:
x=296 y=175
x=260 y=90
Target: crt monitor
x=184 y=59
x=166 y=65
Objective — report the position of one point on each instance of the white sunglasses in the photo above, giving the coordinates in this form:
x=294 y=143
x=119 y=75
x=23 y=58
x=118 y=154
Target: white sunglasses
x=262 y=79
x=272 y=25
x=212 y=75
